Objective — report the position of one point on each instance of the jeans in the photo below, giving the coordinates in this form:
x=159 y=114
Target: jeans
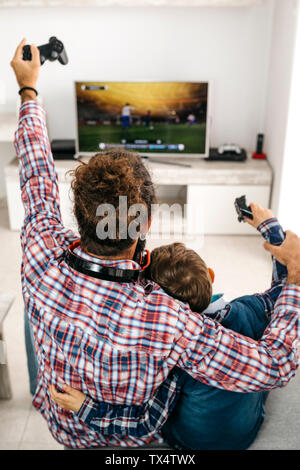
x=207 y=418
x=32 y=363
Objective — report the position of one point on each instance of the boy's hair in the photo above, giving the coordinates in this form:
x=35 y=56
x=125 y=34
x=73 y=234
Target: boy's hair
x=183 y=274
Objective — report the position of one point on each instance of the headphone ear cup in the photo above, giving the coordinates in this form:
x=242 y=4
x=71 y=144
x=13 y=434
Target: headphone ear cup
x=145 y=260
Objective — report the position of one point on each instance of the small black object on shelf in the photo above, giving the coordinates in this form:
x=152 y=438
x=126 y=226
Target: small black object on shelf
x=214 y=156
x=259 y=148
x=63 y=149
x=54 y=50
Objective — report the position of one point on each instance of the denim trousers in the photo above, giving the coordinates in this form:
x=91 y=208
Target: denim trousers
x=207 y=418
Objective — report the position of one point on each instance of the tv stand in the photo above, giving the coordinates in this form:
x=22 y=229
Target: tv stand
x=206 y=190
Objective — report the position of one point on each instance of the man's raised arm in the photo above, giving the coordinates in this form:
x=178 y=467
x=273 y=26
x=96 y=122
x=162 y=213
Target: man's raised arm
x=43 y=232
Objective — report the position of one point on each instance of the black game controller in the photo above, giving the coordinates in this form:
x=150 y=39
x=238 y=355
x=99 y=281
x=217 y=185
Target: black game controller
x=242 y=209
x=51 y=51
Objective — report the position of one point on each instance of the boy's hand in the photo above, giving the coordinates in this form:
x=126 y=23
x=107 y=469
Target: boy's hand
x=259 y=215
x=26 y=71
x=71 y=400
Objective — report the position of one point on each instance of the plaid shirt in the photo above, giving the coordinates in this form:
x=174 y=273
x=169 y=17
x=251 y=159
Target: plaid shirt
x=119 y=342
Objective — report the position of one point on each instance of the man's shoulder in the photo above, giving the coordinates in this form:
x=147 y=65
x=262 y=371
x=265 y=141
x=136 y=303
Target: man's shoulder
x=156 y=300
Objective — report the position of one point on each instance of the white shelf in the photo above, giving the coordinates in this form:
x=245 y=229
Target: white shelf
x=8 y=126
x=249 y=172
x=203 y=195
x=129 y=3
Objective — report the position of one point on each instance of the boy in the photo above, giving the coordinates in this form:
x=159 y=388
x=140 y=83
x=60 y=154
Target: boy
x=184 y=275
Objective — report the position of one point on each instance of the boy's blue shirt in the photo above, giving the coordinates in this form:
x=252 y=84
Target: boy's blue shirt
x=218 y=302
x=248 y=315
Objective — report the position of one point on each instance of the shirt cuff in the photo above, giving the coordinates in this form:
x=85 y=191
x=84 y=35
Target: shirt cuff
x=86 y=408
x=268 y=225
x=32 y=109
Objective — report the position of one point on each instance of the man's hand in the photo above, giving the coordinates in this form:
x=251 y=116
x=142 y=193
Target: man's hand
x=259 y=215
x=288 y=253
x=26 y=71
x=71 y=400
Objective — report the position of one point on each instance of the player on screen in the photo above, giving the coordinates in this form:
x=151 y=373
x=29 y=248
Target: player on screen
x=127 y=110
x=191 y=119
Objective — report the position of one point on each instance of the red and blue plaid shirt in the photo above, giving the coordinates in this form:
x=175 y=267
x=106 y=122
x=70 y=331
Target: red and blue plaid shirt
x=118 y=342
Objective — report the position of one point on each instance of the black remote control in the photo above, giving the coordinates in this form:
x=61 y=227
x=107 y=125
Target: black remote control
x=54 y=50
x=242 y=209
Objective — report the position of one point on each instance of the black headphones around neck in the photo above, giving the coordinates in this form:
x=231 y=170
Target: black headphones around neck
x=108 y=273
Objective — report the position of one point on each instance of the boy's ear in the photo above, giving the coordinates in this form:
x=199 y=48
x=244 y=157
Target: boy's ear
x=212 y=274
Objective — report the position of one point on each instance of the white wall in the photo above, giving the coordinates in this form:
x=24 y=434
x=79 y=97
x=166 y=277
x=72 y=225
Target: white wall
x=289 y=195
x=283 y=38
x=6 y=155
x=228 y=46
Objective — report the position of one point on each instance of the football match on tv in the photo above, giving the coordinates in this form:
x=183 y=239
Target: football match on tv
x=161 y=117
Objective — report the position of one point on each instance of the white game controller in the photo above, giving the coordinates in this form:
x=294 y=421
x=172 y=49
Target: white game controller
x=231 y=148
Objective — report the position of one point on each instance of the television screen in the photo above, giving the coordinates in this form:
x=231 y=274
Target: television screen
x=149 y=117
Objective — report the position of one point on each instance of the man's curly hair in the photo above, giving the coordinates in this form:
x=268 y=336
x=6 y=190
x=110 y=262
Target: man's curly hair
x=102 y=180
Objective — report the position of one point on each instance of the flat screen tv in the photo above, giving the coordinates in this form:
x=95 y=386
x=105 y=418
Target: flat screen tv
x=148 y=117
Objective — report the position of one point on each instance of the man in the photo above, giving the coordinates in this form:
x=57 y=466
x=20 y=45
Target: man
x=119 y=341
x=126 y=116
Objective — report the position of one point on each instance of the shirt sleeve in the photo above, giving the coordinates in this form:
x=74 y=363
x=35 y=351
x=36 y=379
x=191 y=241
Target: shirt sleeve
x=227 y=360
x=273 y=233
x=43 y=235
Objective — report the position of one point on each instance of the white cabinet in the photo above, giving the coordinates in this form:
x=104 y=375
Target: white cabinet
x=16 y=210
x=66 y=206
x=212 y=206
x=205 y=192
x=8 y=126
